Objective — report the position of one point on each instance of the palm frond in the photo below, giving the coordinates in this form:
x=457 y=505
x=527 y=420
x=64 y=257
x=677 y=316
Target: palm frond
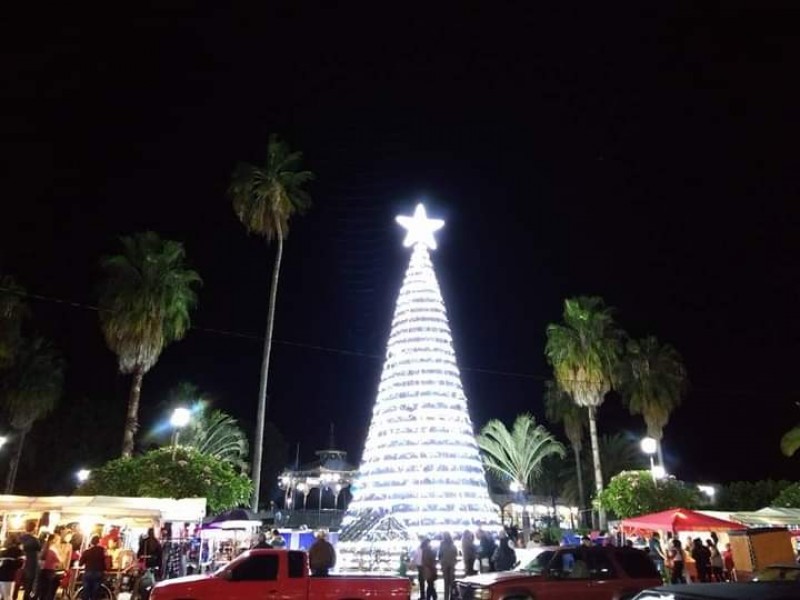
x=790 y=442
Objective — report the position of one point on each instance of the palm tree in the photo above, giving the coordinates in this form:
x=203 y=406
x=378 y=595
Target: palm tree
x=12 y=311
x=517 y=455
x=265 y=198
x=653 y=381
x=790 y=442
x=584 y=351
x=145 y=301
x=559 y=408
x=217 y=434
x=31 y=389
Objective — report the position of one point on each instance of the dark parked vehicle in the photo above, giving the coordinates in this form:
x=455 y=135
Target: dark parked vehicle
x=568 y=573
x=724 y=591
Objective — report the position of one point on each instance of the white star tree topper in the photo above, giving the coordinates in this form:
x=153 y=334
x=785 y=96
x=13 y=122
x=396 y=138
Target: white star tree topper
x=420 y=228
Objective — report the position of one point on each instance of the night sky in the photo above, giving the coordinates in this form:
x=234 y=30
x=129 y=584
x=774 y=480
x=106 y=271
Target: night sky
x=648 y=156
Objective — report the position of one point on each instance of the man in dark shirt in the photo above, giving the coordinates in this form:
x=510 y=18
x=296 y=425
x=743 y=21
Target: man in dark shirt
x=94 y=559
x=31 y=547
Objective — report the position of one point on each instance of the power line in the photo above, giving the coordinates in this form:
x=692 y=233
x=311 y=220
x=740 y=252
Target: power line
x=340 y=351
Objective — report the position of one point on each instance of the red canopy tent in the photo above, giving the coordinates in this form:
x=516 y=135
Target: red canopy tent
x=679 y=519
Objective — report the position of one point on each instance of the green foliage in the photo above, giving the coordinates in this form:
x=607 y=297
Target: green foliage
x=517 y=454
x=585 y=349
x=789 y=497
x=559 y=408
x=633 y=493
x=145 y=299
x=12 y=311
x=217 y=434
x=653 y=381
x=156 y=475
x=749 y=495
x=790 y=442
x=266 y=197
x=32 y=387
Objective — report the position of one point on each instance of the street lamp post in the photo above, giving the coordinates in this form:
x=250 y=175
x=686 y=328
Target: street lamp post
x=180 y=418
x=650 y=447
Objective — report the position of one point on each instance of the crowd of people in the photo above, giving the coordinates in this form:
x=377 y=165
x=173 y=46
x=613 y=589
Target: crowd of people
x=480 y=549
x=711 y=564
x=38 y=565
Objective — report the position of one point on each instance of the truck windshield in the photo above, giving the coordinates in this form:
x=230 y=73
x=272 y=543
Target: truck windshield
x=538 y=564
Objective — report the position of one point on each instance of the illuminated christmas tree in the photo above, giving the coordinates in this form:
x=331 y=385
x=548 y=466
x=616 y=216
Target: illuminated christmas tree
x=421 y=469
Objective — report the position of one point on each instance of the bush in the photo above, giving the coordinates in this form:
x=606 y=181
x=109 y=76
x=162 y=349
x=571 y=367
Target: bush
x=156 y=475
x=633 y=493
x=789 y=497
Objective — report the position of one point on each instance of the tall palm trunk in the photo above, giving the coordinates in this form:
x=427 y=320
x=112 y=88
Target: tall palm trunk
x=11 y=479
x=598 y=471
x=258 y=447
x=579 y=475
x=132 y=420
x=660 y=454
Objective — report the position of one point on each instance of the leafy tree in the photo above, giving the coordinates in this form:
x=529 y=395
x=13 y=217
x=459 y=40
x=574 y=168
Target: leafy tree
x=584 y=351
x=265 y=198
x=217 y=434
x=634 y=493
x=618 y=452
x=145 y=301
x=560 y=408
x=30 y=390
x=551 y=480
x=156 y=475
x=749 y=495
x=517 y=455
x=789 y=497
x=653 y=381
x=790 y=442
x=12 y=311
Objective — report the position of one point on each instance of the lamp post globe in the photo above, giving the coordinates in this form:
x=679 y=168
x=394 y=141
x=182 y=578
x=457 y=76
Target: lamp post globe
x=83 y=475
x=649 y=445
x=180 y=417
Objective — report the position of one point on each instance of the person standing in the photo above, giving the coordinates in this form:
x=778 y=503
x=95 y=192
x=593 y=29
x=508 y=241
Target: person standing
x=151 y=551
x=321 y=556
x=31 y=548
x=429 y=569
x=468 y=552
x=504 y=557
x=486 y=548
x=50 y=562
x=277 y=541
x=262 y=542
x=10 y=564
x=715 y=560
x=656 y=552
x=702 y=560
x=416 y=559
x=678 y=560
x=93 y=560
x=728 y=564
x=448 y=555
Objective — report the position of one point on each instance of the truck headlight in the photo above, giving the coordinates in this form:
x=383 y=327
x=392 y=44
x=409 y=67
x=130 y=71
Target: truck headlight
x=483 y=594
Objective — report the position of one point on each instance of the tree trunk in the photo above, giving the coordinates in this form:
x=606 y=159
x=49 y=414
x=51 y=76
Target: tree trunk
x=258 y=446
x=132 y=420
x=660 y=453
x=579 y=474
x=598 y=470
x=14 y=465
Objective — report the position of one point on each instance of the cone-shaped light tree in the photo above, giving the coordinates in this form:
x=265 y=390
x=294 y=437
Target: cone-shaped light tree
x=421 y=462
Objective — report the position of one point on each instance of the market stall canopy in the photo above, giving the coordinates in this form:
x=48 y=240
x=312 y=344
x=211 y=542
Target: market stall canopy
x=770 y=516
x=109 y=507
x=679 y=519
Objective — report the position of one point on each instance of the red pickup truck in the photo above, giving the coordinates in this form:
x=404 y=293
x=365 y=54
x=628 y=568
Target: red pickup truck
x=568 y=573
x=280 y=575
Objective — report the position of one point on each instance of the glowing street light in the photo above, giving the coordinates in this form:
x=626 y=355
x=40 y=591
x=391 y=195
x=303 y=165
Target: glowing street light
x=83 y=475
x=180 y=418
x=515 y=487
x=650 y=447
x=3 y=440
